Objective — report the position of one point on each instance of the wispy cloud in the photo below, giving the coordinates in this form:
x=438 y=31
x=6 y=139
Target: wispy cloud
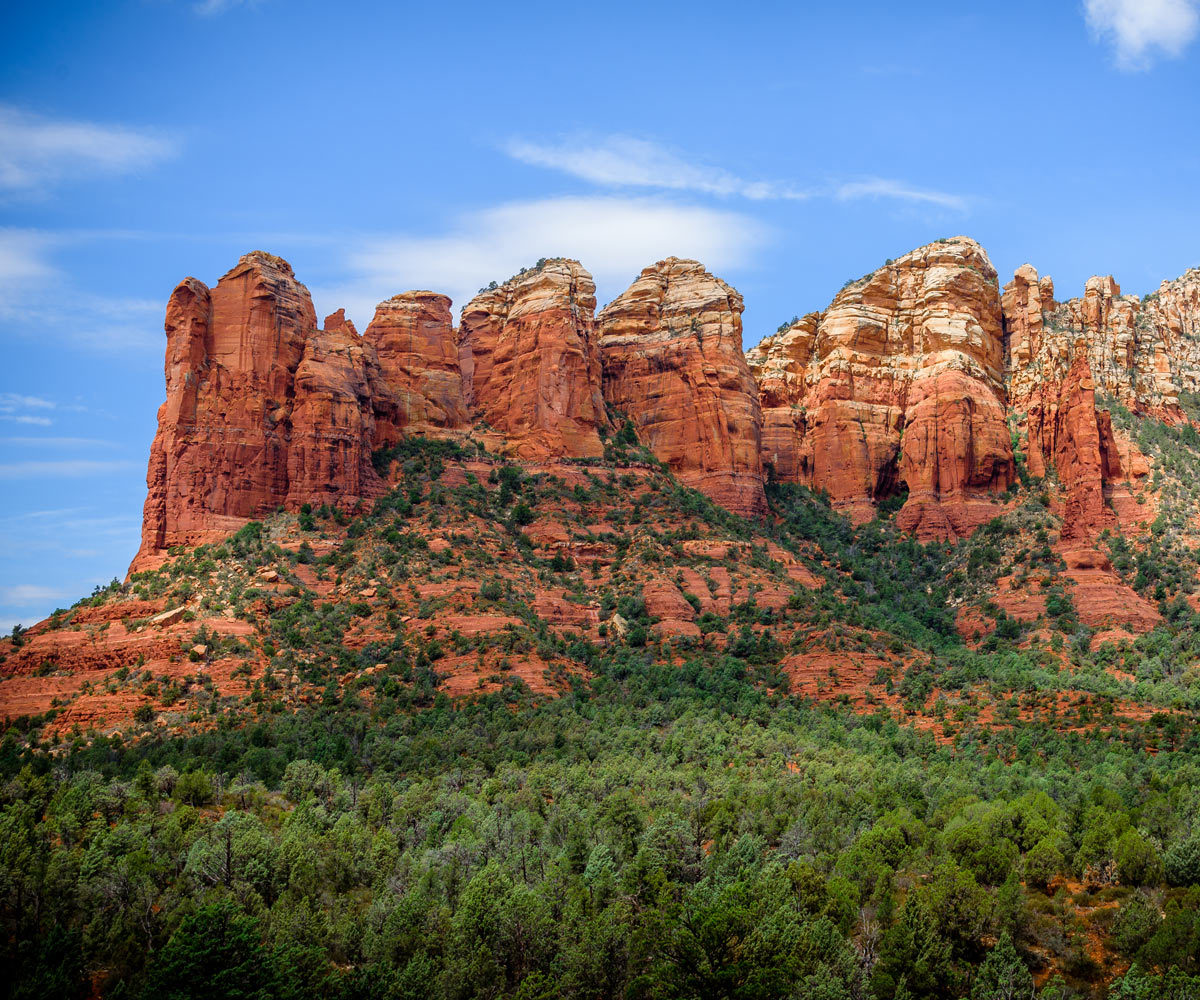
x=28 y=593
x=57 y=442
x=32 y=411
x=882 y=187
x=66 y=468
x=623 y=161
x=620 y=161
x=27 y=419
x=614 y=237
x=36 y=294
x=15 y=399
x=1141 y=30
x=210 y=8
x=37 y=151
x=57 y=513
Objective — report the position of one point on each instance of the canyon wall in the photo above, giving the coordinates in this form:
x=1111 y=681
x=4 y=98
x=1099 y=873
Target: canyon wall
x=266 y=409
x=262 y=408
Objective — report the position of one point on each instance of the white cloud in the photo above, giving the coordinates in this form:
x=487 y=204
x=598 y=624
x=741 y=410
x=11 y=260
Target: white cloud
x=881 y=187
x=23 y=258
x=37 y=151
x=28 y=593
x=17 y=408
x=613 y=237
x=1141 y=29
x=12 y=400
x=622 y=161
x=67 y=468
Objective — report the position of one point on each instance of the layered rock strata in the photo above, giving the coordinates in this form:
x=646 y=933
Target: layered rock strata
x=420 y=389
x=673 y=364
x=897 y=385
x=530 y=365
x=1141 y=352
x=261 y=408
x=905 y=386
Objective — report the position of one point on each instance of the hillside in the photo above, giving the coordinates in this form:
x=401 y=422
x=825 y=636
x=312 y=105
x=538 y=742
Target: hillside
x=577 y=653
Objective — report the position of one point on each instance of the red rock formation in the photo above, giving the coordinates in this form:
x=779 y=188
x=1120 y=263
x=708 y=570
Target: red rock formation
x=420 y=389
x=957 y=452
x=332 y=420
x=260 y=410
x=1142 y=352
x=673 y=364
x=781 y=365
x=1053 y=389
x=898 y=382
x=1065 y=433
x=530 y=364
x=1024 y=303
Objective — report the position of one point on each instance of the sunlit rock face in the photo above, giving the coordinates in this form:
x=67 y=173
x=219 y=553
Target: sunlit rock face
x=530 y=362
x=897 y=385
x=671 y=346
x=262 y=408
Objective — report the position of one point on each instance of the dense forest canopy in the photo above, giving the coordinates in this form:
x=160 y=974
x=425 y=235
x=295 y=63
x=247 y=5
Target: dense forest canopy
x=1001 y=813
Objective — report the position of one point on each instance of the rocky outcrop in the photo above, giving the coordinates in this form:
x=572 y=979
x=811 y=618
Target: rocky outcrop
x=781 y=366
x=1065 y=433
x=1141 y=352
x=530 y=365
x=331 y=426
x=420 y=387
x=673 y=364
x=1025 y=302
x=897 y=386
x=260 y=409
x=903 y=387
x=1061 y=356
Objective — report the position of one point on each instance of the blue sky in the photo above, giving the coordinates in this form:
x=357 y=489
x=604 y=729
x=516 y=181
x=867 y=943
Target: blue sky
x=386 y=146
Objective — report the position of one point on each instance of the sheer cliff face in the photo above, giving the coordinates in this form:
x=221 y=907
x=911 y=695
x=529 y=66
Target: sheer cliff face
x=530 y=365
x=897 y=384
x=673 y=364
x=907 y=383
x=419 y=388
x=262 y=408
x=782 y=366
x=1064 y=359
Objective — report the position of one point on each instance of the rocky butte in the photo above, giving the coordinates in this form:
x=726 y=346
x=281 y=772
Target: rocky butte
x=266 y=409
x=673 y=363
x=923 y=384
x=919 y=377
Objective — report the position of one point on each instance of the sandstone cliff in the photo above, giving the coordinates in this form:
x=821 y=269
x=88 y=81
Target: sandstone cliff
x=897 y=385
x=419 y=388
x=530 y=365
x=782 y=366
x=673 y=364
x=260 y=410
x=905 y=386
x=1062 y=356
x=1141 y=352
